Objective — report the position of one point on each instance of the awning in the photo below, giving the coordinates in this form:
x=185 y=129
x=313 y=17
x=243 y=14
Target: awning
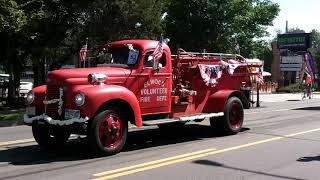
x=265 y=73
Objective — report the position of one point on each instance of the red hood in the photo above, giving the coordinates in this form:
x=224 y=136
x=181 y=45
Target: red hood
x=79 y=75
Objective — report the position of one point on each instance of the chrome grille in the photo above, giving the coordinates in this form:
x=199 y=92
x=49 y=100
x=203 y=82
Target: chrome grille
x=52 y=109
x=52 y=92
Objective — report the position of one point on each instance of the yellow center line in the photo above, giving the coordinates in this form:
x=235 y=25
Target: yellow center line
x=153 y=162
x=24 y=141
x=185 y=157
x=21 y=141
x=303 y=132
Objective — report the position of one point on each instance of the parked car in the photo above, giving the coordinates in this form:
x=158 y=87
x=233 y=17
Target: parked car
x=24 y=88
x=4 y=82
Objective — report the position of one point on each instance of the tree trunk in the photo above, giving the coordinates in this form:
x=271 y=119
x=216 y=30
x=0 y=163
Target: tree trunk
x=39 y=73
x=35 y=73
x=14 y=84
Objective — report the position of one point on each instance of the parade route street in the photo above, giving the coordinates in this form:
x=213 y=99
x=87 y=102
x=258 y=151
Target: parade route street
x=280 y=140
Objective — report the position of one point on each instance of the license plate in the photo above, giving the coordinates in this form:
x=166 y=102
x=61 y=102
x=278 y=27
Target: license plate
x=31 y=111
x=70 y=113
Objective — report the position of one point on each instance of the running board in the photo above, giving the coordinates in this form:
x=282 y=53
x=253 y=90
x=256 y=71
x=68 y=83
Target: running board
x=182 y=119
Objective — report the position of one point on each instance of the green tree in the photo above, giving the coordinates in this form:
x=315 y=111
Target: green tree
x=263 y=51
x=62 y=20
x=13 y=21
x=296 y=31
x=123 y=19
x=218 y=25
x=315 y=50
x=315 y=34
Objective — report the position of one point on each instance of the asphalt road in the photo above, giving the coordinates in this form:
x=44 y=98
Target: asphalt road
x=280 y=140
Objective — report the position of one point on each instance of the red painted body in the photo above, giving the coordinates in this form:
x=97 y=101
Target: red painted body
x=144 y=91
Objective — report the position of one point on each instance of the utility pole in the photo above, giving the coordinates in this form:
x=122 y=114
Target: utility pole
x=258 y=99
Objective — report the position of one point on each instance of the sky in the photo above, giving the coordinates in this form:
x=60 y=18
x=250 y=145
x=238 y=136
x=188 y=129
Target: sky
x=302 y=14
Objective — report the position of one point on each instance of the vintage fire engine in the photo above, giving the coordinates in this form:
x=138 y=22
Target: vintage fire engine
x=130 y=86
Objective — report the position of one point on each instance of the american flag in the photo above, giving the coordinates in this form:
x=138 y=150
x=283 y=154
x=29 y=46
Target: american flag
x=233 y=64
x=83 y=53
x=260 y=77
x=157 y=53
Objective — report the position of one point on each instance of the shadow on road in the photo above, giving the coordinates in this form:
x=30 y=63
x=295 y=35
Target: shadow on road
x=217 y=164
x=315 y=108
x=309 y=159
x=79 y=150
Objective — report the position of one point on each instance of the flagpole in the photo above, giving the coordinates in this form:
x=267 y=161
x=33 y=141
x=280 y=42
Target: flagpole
x=79 y=60
x=84 y=61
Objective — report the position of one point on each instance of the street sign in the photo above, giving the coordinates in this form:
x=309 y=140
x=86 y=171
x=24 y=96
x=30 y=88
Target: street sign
x=292 y=59
x=296 y=41
x=290 y=69
x=291 y=66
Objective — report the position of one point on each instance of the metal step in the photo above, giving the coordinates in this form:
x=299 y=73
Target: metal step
x=182 y=119
x=160 y=121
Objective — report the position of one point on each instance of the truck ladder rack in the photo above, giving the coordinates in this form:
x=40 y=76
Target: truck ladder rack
x=183 y=54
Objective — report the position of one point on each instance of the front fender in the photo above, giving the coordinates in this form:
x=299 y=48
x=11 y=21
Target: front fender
x=96 y=96
x=217 y=101
x=40 y=94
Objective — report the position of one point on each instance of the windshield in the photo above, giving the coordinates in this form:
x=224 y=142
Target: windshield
x=120 y=56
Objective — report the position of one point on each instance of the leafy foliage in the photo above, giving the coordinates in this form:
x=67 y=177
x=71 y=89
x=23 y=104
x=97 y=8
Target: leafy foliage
x=315 y=50
x=12 y=18
x=218 y=25
x=293 y=88
x=126 y=19
x=39 y=32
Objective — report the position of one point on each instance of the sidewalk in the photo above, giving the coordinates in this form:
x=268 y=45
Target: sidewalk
x=284 y=97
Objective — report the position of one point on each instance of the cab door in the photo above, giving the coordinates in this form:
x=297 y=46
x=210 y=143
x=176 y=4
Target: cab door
x=155 y=86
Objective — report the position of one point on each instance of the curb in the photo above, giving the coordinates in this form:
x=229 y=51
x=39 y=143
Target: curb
x=11 y=123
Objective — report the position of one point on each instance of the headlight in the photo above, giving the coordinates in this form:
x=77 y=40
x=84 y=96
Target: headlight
x=79 y=99
x=30 y=97
x=96 y=78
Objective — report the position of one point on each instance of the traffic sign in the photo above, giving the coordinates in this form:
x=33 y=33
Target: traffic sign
x=291 y=66
x=292 y=59
x=290 y=69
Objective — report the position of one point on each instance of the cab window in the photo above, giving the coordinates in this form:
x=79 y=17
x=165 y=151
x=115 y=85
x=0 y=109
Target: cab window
x=118 y=56
x=149 y=63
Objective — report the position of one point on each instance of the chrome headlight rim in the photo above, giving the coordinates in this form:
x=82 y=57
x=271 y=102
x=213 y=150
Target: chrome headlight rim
x=97 y=78
x=79 y=99
x=30 y=97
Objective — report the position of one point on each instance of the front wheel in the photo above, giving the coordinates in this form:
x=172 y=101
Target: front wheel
x=50 y=137
x=108 y=132
x=231 y=122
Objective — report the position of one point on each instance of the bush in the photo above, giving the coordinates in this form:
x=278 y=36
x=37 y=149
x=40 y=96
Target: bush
x=293 y=88
x=16 y=104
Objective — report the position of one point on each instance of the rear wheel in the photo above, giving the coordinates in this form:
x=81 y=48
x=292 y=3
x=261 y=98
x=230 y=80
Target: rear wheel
x=108 y=132
x=231 y=122
x=50 y=137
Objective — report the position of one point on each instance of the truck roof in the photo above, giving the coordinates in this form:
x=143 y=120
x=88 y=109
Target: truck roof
x=139 y=43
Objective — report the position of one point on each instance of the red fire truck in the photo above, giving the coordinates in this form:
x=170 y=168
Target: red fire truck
x=128 y=85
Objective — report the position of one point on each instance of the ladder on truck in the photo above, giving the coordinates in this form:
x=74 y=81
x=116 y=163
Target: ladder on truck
x=220 y=56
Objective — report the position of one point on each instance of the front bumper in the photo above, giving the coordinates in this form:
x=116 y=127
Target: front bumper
x=49 y=120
